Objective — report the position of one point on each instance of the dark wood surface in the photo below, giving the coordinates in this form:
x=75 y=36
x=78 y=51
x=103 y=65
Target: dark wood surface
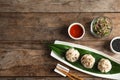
x=60 y=6
x=27 y=27
x=25 y=38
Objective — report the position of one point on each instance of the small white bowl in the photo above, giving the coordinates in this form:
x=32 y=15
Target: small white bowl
x=112 y=47
x=80 y=26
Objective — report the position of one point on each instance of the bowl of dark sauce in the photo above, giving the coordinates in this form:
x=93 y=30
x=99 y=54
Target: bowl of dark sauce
x=115 y=45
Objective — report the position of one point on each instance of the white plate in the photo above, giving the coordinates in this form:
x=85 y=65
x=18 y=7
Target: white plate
x=109 y=76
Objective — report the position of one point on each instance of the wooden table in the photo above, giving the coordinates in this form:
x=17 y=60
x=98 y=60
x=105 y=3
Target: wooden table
x=27 y=27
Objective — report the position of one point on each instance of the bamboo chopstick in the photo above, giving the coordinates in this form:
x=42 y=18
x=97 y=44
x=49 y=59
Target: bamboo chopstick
x=70 y=75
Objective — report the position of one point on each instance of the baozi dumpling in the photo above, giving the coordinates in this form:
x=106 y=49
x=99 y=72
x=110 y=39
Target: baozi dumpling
x=88 y=61
x=104 y=65
x=72 y=55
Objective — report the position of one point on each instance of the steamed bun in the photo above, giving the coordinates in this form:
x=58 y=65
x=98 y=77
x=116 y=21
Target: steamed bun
x=104 y=65
x=72 y=55
x=88 y=61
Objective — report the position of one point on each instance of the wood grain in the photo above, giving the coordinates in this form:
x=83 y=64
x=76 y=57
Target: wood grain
x=59 y=6
x=47 y=78
x=27 y=27
x=34 y=26
x=24 y=40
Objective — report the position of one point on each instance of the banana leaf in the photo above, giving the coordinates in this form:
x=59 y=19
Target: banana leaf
x=61 y=49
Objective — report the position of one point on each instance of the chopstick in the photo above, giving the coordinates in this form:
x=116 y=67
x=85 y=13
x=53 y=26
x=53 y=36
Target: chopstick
x=70 y=75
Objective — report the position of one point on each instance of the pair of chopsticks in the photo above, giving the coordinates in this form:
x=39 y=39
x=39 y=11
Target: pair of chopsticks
x=70 y=75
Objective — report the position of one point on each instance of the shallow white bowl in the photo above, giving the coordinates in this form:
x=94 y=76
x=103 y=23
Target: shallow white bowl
x=81 y=27
x=112 y=47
